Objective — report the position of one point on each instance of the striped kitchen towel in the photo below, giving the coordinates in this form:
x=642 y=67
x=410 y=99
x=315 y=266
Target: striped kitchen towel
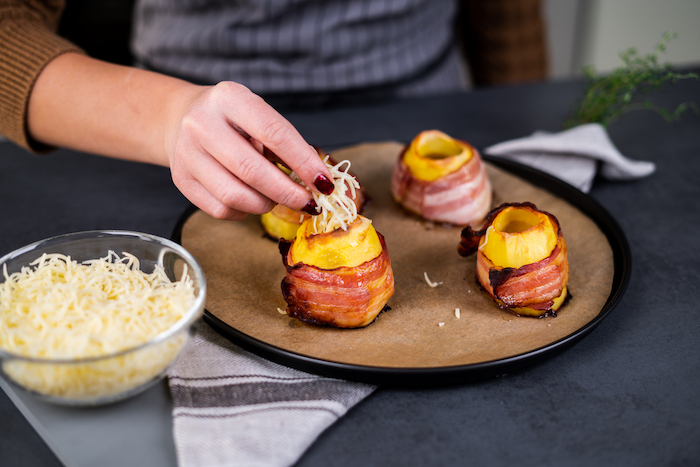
x=573 y=155
x=233 y=408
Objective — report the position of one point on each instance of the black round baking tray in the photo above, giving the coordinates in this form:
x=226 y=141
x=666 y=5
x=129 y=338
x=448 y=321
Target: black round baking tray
x=444 y=375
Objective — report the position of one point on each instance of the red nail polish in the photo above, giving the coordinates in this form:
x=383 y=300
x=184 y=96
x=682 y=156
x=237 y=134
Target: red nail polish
x=311 y=208
x=324 y=185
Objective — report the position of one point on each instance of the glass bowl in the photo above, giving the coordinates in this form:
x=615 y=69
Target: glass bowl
x=114 y=376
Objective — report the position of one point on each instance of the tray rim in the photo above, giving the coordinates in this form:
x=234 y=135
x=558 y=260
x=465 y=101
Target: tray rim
x=444 y=375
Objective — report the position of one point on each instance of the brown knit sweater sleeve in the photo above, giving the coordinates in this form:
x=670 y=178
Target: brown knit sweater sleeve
x=29 y=42
x=504 y=40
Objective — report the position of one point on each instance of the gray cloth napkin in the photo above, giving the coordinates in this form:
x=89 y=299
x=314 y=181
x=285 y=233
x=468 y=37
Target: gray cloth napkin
x=573 y=155
x=233 y=408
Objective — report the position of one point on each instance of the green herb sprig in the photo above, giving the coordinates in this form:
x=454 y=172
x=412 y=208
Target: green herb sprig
x=607 y=97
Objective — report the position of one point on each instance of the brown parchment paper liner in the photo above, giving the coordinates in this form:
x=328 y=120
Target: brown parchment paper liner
x=244 y=271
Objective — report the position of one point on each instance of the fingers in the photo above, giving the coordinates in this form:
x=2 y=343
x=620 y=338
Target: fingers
x=240 y=159
x=262 y=123
x=222 y=155
x=203 y=199
x=217 y=191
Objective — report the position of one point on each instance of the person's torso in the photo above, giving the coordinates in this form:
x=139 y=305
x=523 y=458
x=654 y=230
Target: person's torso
x=281 y=46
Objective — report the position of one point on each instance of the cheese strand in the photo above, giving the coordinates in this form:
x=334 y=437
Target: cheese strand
x=338 y=210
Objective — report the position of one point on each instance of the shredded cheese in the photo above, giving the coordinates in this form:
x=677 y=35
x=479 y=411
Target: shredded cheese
x=58 y=308
x=486 y=237
x=337 y=210
x=430 y=283
x=457 y=313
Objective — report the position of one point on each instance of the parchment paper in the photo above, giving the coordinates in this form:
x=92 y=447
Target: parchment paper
x=244 y=270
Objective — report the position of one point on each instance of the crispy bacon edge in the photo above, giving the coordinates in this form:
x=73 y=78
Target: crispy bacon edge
x=342 y=297
x=534 y=285
x=440 y=200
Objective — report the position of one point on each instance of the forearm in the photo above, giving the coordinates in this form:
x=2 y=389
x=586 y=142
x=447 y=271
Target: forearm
x=213 y=138
x=97 y=107
x=27 y=43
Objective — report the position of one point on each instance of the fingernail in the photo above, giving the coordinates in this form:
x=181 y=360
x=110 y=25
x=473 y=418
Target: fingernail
x=311 y=208
x=324 y=185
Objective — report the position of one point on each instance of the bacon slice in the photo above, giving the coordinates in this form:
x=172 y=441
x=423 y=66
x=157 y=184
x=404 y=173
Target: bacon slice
x=461 y=197
x=344 y=297
x=534 y=285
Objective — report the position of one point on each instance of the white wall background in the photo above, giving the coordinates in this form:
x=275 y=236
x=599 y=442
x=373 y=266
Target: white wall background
x=595 y=32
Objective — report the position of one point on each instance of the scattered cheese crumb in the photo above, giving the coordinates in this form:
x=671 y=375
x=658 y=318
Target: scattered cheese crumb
x=281 y=311
x=441 y=324
x=430 y=283
x=457 y=313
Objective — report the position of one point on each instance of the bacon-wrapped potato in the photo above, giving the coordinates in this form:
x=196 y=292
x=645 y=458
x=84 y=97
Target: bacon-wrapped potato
x=341 y=278
x=521 y=259
x=442 y=179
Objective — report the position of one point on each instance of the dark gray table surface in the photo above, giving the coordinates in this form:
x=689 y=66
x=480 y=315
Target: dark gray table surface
x=628 y=394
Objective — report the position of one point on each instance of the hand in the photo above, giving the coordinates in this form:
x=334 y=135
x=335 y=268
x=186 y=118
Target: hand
x=214 y=139
x=221 y=152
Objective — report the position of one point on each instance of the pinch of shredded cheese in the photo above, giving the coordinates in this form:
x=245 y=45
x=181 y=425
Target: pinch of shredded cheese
x=337 y=210
x=58 y=308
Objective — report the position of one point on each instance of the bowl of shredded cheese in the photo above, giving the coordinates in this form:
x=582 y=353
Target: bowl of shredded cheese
x=95 y=317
